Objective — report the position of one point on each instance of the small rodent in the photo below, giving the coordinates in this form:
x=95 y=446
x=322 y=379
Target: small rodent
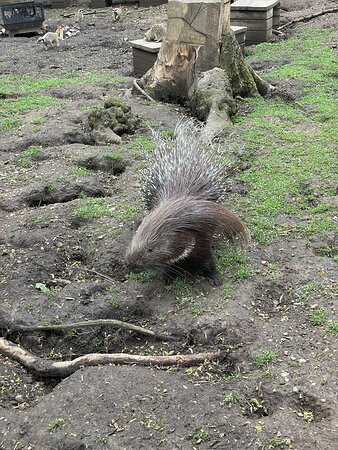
x=50 y=39
x=156 y=32
x=181 y=187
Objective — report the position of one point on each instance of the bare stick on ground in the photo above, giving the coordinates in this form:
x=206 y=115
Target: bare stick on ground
x=90 y=323
x=307 y=18
x=62 y=369
x=142 y=91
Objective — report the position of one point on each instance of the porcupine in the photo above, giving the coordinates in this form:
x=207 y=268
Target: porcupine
x=182 y=187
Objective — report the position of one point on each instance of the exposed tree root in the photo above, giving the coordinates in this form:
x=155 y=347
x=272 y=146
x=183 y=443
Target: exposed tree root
x=62 y=369
x=307 y=18
x=90 y=323
x=142 y=91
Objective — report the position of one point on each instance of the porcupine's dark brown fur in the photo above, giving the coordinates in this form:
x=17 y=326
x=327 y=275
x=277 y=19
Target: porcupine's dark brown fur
x=181 y=188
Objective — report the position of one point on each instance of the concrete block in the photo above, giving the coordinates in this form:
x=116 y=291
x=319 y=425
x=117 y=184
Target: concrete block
x=144 y=3
x=239 y=33
x=60 y=4
x=254 y=5
x=144 y=55
x=255 y=25
x=100 y=3
x=276 y=16
x=149 y=47
x=251 y=15
x=254 y=37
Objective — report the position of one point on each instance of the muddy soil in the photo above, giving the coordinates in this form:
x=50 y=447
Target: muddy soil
x=62 y=262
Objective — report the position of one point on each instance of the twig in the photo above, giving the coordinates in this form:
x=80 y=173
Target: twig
x=62 y=369
x=307 y=18
x=107 y=277
x=92 y=323
x=143 y=92
x=88 y=13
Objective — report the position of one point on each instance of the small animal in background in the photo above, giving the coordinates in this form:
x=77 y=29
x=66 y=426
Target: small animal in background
x=78 y=18
x=50 y=39
x=156 y=32
x=117 y=12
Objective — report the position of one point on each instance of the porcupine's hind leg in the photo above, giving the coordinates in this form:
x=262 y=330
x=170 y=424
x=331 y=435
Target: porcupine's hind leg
x=202 y=262
x=209 y=271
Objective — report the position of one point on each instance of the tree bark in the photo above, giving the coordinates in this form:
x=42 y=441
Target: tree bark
x=62 y=369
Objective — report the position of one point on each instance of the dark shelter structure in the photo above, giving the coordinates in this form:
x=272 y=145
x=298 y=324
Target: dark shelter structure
x=20 y=18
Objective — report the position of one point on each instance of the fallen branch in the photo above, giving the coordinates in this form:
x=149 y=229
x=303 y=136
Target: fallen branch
x=91 y=323
x=62 y=369
x=307 y=18
x=143 y=92
x=87 y=13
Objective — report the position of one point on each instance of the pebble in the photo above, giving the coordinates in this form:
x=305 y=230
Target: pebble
x=302 y=361
x=295 y=389
x=19 y=398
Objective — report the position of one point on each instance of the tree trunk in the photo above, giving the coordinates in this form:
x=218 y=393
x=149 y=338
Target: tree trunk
x=201 y=64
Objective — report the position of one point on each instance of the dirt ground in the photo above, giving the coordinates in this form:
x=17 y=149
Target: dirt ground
x=59 y=265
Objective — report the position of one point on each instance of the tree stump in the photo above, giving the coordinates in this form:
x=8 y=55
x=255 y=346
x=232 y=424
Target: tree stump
x=199 y=40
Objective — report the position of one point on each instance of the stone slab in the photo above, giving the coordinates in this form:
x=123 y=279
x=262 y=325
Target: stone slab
x=142 y=44
x=255 y=25
x=238 y=29
x=254 y=5
x=251 y=15
x=144 y=3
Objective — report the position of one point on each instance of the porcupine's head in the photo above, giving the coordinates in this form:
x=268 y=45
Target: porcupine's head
x=178 y=229
x=161 y=240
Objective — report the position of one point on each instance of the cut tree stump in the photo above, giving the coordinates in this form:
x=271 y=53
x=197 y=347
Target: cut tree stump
x=199 y=40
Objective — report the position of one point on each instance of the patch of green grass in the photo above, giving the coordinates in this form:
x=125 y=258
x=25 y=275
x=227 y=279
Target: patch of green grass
x=264 y=359
x=51 y=293
x=318 y=317
x=36 y=219
x=143 y=143
x=92 y=208
x=235 y=375
x=113 y=303
x=168 y=134
x=10 y=124
x=179 y=287
x=333 y=327
x=56 y=424
x=283 y=444
x=142 y=277
x=30 y=93
x=290 y=144
x=127 y=212
x=12 y=106
x=236 y=262
x=28 y=84
x=50 y=187
x=199 y=435
x=113 y=157
x=28 y=156
x=79 y=171
x=161 y=318
x=229 y=400
x=307 y=291
x=197 y=309
x=38 y=120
